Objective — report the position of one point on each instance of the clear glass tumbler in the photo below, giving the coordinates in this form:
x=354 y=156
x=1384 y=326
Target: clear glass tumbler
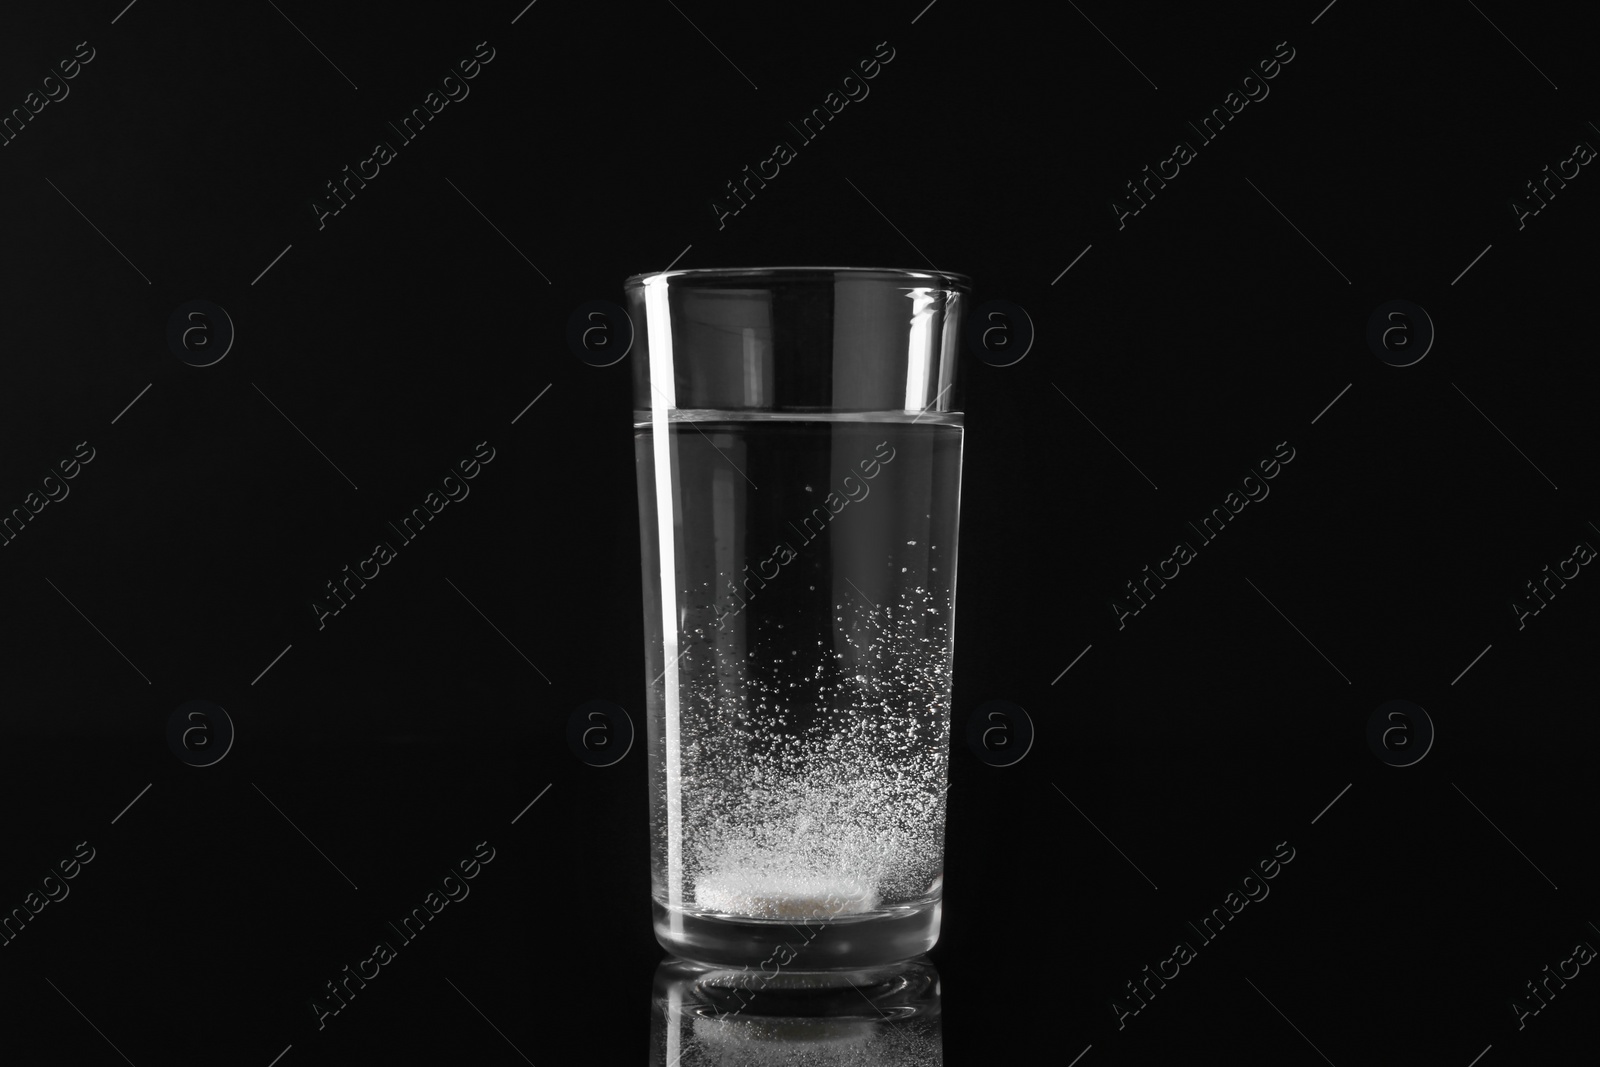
x=798 y=436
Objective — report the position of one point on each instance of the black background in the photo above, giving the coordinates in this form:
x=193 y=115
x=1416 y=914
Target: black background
x=1221 y=720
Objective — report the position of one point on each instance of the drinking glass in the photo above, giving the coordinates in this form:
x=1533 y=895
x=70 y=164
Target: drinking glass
x=798 y=442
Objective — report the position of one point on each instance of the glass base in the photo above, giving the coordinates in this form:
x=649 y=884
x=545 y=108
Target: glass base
x=774 y=945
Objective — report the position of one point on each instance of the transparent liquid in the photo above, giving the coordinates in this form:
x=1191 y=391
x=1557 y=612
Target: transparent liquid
x=799 y=653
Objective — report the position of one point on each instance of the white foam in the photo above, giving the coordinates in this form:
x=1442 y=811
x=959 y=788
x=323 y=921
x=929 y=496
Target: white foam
x=764 y=895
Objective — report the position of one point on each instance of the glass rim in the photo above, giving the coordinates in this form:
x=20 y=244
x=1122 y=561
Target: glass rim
x=949 y=279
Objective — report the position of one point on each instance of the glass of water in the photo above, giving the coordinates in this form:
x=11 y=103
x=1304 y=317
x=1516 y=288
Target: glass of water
x=798 y=441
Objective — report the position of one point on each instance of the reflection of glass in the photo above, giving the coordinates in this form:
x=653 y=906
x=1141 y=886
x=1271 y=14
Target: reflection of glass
x=709 y=1017
x=799 y=467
